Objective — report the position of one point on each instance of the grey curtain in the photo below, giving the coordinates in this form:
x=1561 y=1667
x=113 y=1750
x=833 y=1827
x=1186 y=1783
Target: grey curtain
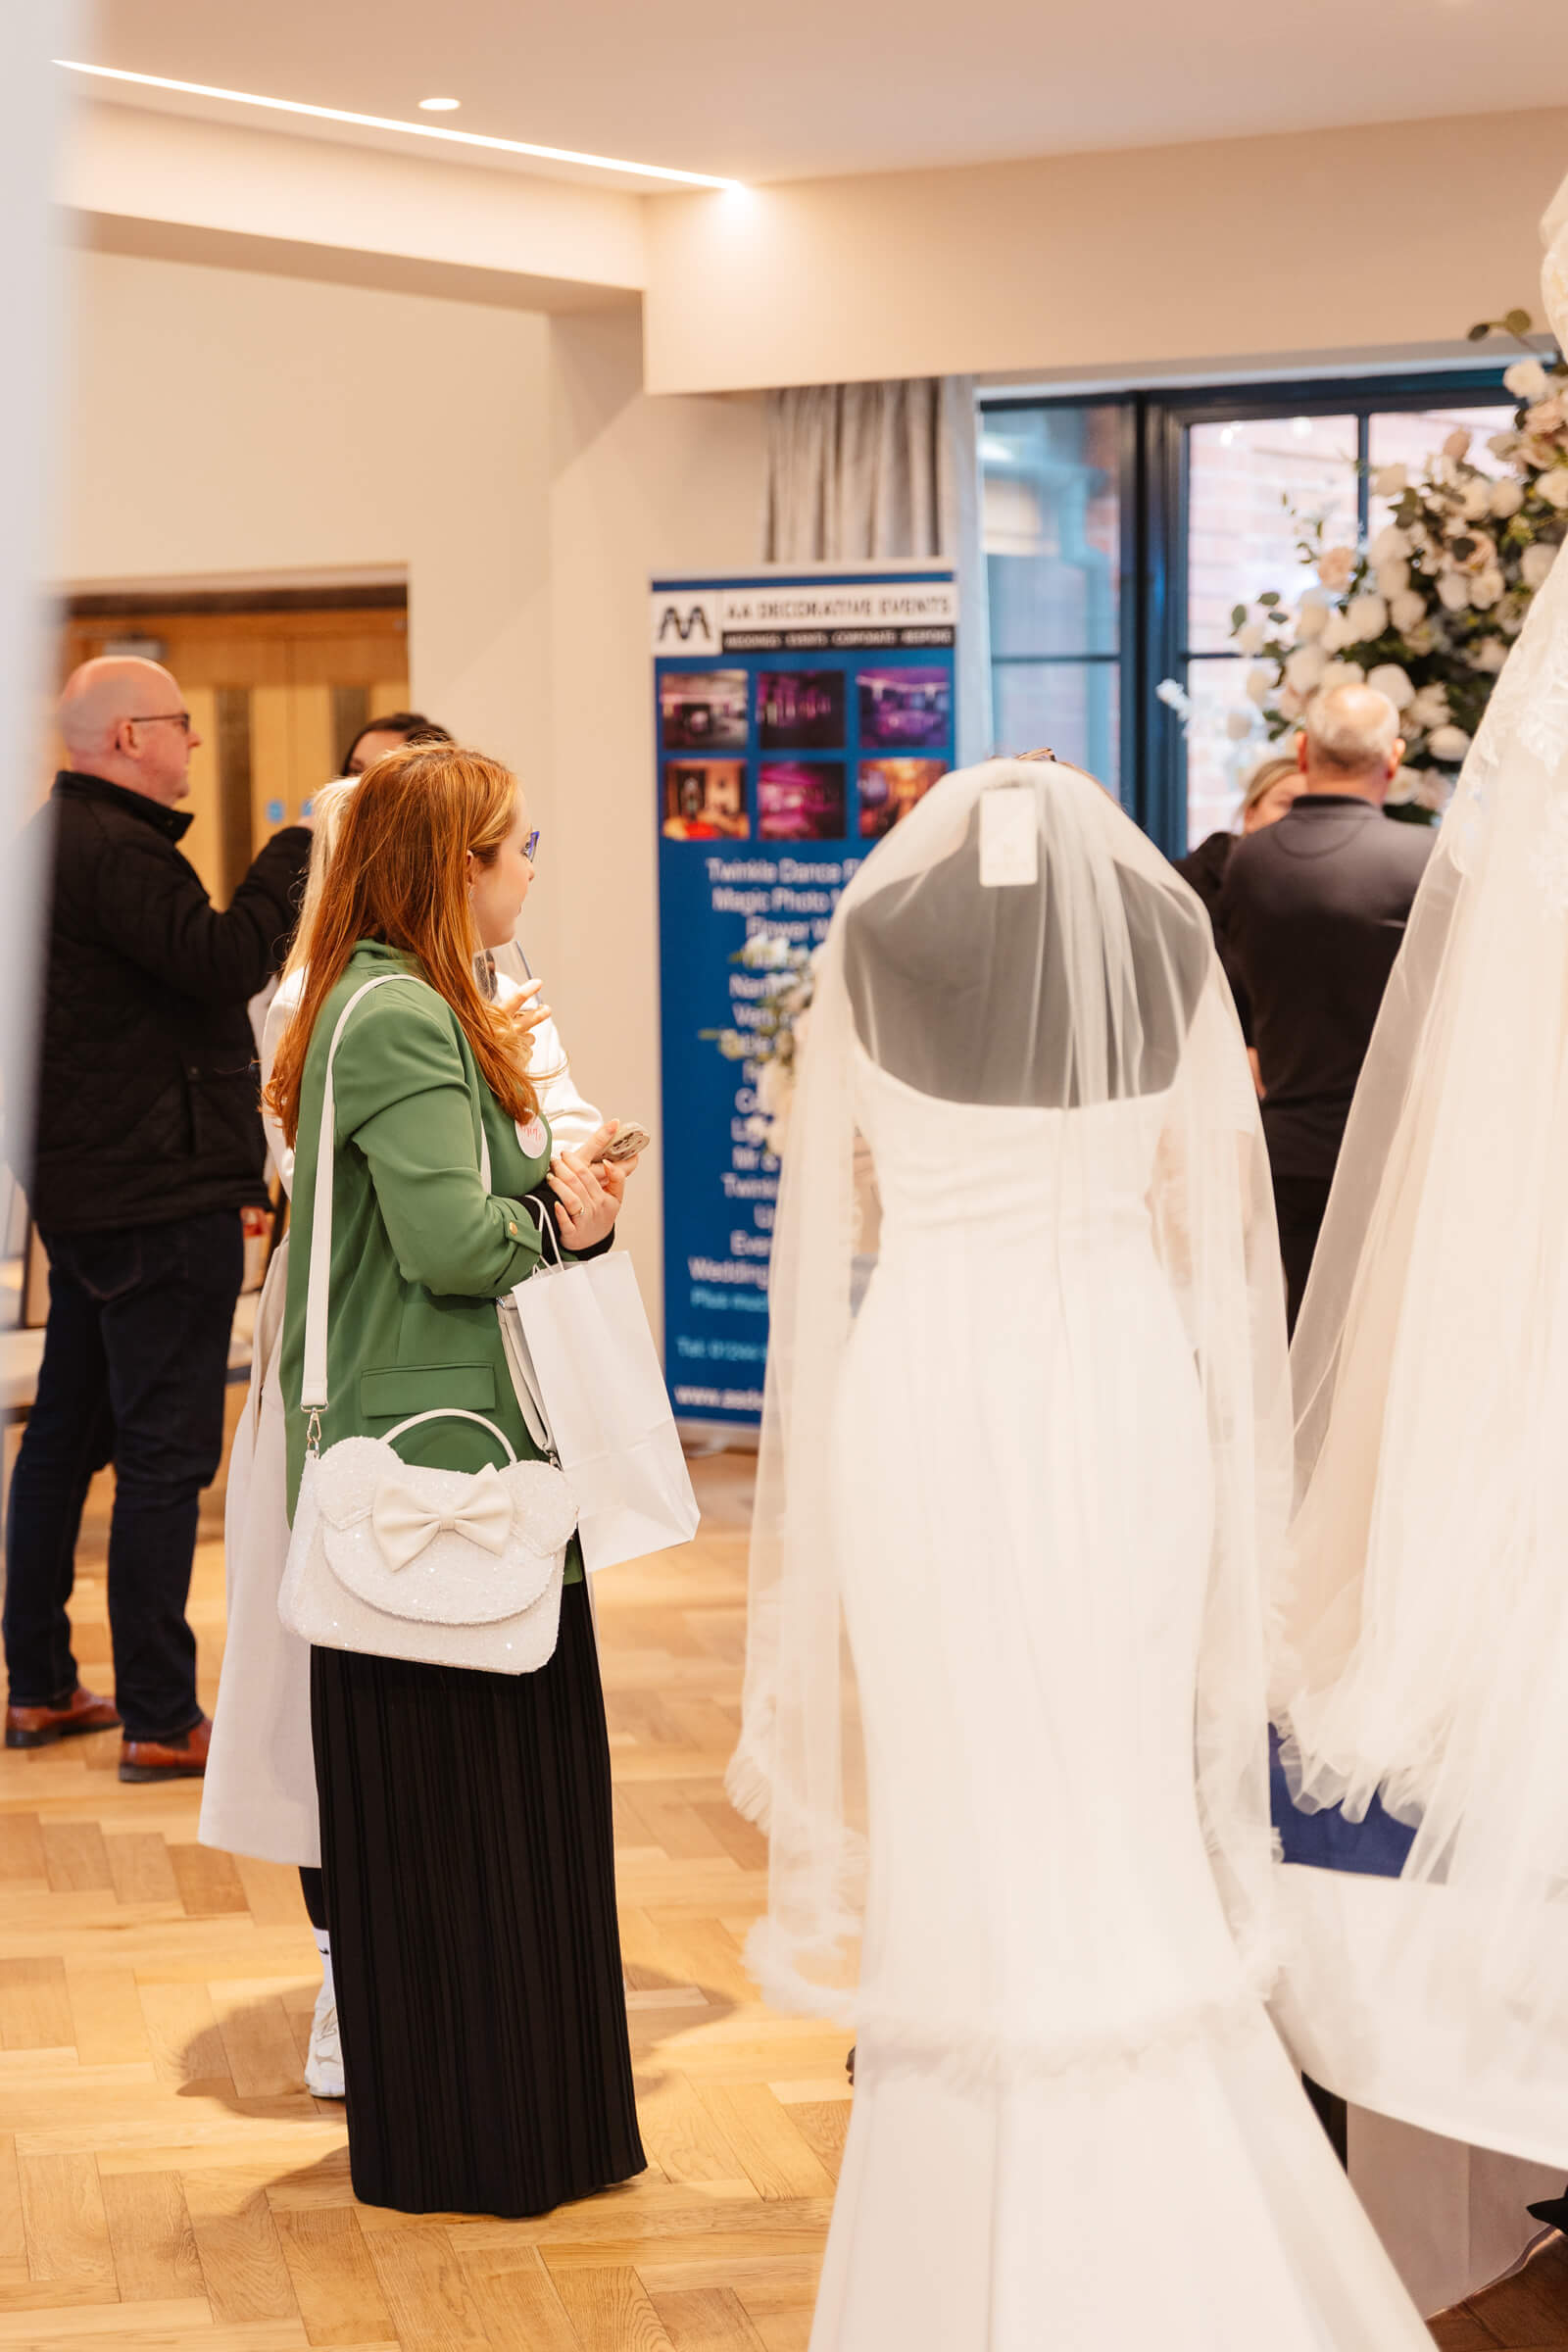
x=862 y=474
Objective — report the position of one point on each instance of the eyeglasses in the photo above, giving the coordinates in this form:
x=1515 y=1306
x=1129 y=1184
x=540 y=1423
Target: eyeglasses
x=531 y=848
x=162 y=719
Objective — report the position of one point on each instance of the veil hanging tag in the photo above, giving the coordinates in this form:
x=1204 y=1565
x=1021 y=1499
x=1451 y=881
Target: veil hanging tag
x=1010 y=838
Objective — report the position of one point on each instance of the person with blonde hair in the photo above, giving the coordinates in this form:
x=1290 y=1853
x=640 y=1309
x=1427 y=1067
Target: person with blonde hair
x=1268 y=792
x=466 y=1850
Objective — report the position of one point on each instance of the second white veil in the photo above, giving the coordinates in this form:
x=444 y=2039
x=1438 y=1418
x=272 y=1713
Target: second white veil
x=1423 y=1655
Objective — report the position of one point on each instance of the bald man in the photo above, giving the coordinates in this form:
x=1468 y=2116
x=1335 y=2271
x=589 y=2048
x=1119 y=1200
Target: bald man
x=1313 y=910
x=146 y=1153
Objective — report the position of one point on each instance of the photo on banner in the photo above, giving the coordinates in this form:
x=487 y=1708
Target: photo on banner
x=828 y=699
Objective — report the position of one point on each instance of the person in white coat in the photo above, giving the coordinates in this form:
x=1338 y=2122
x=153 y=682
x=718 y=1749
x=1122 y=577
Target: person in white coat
x=259 y=1797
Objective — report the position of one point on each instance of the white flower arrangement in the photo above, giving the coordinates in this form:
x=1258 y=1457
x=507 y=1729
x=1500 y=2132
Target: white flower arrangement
x=779 y=1013
x=1429 y=611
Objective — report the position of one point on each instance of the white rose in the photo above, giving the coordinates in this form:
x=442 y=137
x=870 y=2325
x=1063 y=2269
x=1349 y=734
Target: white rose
x=1503 y=445
x=1393 y=578
x=1486 y=588
x=1424 y=637
x=1430 y=707
x=1449 y=745
x=1390 y=542
x=1342 y=673
x=1389 y=679
x=1482 y=551
x=1454 y=592
x=1368 y=617
x=1335 y=568
x=1336 y=633
x=1249 y=638
x=1314 y=620
x=1238 y=725
x=1403 y=787
x=1506 y=499
x=1291 y=704
x=1432 y=792
x=1408 y=610
x=1535 y=564
x=1526 y=379
x=1457 y=444
x=1476 y=500
x=1489 y=655
x=1553 y=487
x=1389 y=480
x=1304 y=669
x=1260 y=684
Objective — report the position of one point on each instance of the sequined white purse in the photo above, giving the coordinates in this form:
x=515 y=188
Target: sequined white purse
x=401 y=1560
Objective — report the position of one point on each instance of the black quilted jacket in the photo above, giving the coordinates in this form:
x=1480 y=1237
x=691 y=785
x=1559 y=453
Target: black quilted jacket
x=146 y=1107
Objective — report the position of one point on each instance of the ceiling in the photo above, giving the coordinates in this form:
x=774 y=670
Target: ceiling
x=825 y=87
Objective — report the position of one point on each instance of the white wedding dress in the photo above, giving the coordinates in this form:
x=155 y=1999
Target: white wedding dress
x=1038 y=1474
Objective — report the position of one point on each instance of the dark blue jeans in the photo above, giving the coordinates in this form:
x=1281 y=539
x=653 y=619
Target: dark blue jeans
x=135 y=1359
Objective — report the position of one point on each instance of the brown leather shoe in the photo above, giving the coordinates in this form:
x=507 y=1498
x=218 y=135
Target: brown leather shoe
x=182 y=1759
x=40 y=1726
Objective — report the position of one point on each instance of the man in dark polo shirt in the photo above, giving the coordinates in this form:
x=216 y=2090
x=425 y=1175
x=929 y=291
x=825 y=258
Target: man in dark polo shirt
x=145 y=1154
x=1314 y=910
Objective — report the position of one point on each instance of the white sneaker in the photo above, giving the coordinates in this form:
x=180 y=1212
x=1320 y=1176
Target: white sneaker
x=323 y=2063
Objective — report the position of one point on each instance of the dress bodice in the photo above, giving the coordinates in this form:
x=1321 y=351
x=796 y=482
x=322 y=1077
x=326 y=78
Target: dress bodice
x=1010 y=1171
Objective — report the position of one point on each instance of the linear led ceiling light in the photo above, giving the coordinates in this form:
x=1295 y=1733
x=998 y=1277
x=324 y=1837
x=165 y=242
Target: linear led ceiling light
x=413 y=130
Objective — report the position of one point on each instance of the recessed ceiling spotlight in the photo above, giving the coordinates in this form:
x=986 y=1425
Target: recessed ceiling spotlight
x=439 y=106
x=412 y=130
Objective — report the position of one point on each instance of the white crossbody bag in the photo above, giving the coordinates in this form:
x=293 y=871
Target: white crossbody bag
x=443 y=1567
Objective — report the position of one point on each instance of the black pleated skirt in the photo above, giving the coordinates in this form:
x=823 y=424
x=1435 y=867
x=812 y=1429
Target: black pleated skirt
x=469 y=1863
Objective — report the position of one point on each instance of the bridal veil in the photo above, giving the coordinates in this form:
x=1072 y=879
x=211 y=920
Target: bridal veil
x=1015 y=941
x=1424 y=1640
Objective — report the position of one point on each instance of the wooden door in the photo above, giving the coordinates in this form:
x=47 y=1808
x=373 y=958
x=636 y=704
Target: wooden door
x=275 y=694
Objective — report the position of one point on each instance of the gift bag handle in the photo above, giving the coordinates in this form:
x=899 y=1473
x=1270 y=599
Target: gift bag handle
x=312 y=1385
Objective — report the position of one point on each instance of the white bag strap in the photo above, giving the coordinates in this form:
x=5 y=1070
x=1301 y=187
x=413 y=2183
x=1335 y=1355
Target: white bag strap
x=547 y=1224
x=453 y=1412
x=312 y=1385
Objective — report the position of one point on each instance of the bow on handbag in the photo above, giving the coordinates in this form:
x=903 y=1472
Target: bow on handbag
x=403 y=1523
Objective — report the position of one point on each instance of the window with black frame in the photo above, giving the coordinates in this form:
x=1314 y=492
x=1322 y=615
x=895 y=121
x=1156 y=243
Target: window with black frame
x=1052 y=474
x=1123 y=532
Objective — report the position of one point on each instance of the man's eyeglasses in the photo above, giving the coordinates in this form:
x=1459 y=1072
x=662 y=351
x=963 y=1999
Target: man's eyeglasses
x=531 y=848
x=163 y=719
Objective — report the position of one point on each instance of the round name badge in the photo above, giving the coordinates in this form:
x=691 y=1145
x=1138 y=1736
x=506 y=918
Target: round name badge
x=531 y=1136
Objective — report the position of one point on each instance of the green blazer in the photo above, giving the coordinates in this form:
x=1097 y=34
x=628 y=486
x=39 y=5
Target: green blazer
x=420 y=1250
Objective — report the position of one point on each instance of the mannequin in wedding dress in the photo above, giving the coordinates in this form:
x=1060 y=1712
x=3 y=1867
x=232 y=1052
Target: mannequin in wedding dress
x=1004 y=1704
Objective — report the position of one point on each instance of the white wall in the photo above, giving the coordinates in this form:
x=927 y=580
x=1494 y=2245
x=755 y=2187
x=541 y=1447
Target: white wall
x=246 y=197
x=637 y=486
x=231 y=424
x=1293 y=247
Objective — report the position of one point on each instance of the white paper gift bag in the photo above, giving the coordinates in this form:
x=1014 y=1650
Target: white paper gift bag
x=587 y=1377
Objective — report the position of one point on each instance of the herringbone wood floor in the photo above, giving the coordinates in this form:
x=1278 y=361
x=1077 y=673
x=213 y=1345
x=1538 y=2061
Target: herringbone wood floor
x=166 y=2181
x=166 y=2184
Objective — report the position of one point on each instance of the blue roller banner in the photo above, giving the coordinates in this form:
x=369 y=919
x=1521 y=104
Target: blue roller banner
x=797 y=719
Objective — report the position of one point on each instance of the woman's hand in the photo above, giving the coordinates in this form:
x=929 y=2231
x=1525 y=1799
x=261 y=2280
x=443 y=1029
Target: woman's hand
x=523 y=1010
x=587 y=1199
x=611 y=1174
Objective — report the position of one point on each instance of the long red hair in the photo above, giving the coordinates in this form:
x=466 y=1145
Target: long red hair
x=399 y=873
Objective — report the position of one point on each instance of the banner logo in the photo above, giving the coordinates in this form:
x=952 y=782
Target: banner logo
x=686 y=624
